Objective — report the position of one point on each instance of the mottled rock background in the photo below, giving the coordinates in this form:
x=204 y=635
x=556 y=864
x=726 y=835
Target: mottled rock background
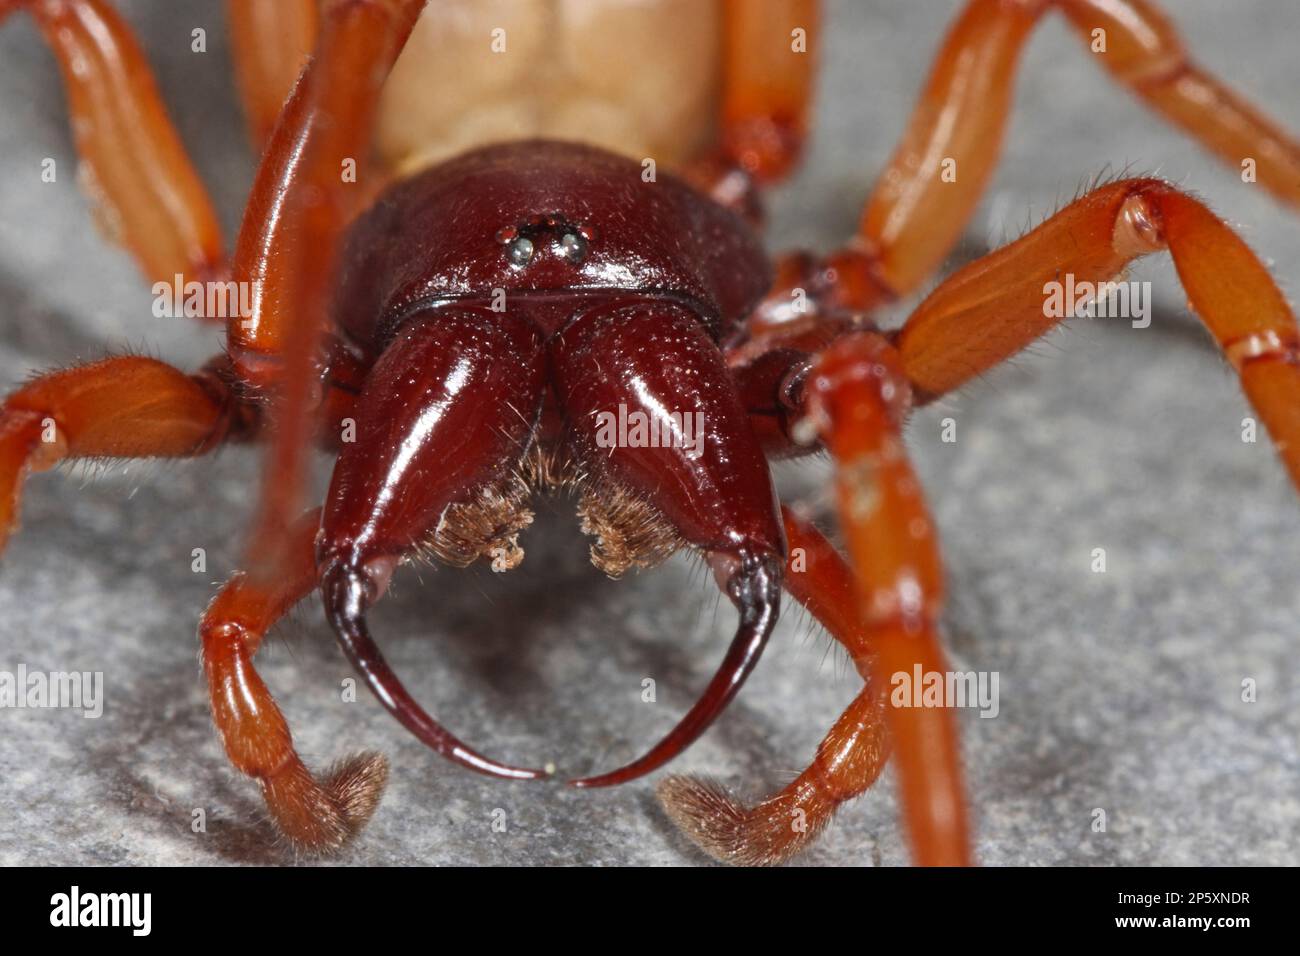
x=1118 y=690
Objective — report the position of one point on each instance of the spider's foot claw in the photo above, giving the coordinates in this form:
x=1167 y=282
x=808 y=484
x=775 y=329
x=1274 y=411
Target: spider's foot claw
x=730 y=832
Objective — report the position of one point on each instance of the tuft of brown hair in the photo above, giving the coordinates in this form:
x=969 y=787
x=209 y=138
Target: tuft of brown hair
x=486 y=526
x=629 y=532
x=764 y=835
x=357 y=784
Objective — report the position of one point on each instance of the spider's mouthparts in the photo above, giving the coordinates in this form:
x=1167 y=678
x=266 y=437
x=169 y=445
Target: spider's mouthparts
x=753 y=582
x=346 y=590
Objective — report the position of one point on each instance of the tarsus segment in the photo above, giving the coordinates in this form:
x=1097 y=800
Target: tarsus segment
x=847 y=762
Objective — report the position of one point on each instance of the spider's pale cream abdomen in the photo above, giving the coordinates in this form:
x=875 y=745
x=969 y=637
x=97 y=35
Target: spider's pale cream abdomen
x=639 y=77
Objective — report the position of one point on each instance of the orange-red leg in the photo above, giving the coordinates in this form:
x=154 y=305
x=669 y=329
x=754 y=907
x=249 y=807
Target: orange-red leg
x=857 y=397
x=126 y=407
x=997 y=305
x=271 y=41
x=146 y=193
x=769 y=69
x=849 y=758
x=916 y=212
x=925 y=196
x=1146 y=54
x=316 y=815
x=300 y=200
x=769 y=65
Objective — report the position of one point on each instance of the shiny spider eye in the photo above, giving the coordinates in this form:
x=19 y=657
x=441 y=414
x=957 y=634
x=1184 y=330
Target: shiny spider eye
x=573 y=246
x=520 y=251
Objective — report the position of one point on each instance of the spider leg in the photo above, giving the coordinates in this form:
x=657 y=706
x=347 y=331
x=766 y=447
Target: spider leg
x=124 y=407
x=1147 y=56
x=287 y=246
x=769 y=64
x=849 y=758
x=916 y=213
x=925 y=197
x=145 y=191
x=768 y=82
x=853 y=396
x=979 y=316
x=314 y=814
x=271 y=41
x=994 y=307
x=856 y=397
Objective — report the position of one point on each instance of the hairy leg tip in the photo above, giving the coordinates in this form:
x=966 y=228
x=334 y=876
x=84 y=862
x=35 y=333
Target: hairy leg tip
x=730 y=832
x=318 y=819
x=357 y=784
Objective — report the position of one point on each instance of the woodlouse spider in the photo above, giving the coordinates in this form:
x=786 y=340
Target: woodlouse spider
x=485 y=326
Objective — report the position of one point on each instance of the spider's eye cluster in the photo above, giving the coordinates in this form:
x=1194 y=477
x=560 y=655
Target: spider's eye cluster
x=566 y=239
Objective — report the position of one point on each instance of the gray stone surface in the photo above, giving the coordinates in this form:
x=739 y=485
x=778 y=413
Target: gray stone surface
x=1119 y=691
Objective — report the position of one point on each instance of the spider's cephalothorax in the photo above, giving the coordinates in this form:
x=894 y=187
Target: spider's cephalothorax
x=542 y=315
